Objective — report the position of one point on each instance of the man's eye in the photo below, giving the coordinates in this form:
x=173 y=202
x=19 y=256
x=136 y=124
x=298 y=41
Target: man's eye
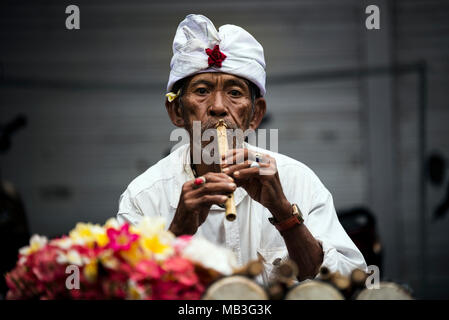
x=201 y=90
x=235 y=93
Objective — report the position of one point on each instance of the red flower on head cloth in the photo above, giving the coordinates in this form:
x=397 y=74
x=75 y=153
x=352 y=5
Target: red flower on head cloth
x=216 y=57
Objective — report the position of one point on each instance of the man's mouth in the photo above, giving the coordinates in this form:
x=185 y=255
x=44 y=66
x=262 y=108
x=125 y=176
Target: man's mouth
x=212 y=124
x=209 y=134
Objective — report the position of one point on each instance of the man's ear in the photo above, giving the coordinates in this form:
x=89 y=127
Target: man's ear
x=260 y=108
x=174 y=111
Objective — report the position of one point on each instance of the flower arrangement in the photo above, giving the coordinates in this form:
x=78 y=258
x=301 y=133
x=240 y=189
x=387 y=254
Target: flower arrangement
x=118 y=261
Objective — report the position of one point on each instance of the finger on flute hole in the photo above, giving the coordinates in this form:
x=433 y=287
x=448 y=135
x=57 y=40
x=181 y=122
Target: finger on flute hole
x=234 y=159
x=243 y=175
x=234 y=152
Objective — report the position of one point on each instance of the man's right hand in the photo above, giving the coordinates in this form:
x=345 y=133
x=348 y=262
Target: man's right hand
x=195 y=201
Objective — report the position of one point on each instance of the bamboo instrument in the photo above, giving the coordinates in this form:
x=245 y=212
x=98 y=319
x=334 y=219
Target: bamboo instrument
x=276 y=290
x=325 y=273
x=341 y=282
x=251 y=269
x=337 y=279
x=358 y=278
x=231 y=212
x=286 y=271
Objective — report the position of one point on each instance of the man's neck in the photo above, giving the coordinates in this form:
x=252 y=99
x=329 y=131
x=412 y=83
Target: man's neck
x=201 y=169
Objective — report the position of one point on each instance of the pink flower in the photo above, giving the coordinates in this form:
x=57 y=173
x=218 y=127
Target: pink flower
x=181 y=242
x=121 y=239
x=167 y=290
x=172 y=290
x=177 y=264
x=147 y=269
x=182 y=270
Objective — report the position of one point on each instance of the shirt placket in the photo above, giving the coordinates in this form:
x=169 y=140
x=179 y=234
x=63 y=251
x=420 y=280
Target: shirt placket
x=232 y=236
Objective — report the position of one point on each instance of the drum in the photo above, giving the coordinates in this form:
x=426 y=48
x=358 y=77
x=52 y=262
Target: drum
x=314 y=290
x=235 y=288
x=386 y=291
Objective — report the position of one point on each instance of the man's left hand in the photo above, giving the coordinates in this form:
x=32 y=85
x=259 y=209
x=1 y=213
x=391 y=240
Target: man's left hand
x=261 y=183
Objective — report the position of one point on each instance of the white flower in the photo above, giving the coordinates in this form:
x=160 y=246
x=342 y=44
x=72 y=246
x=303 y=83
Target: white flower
x=63 y=243
x=22 y=260
x=112 y=223
x=72 y=257
x=36 y=243
x=151 y=226
x=210 y=255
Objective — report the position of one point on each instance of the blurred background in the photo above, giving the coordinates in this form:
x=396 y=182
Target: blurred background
x=367 y=110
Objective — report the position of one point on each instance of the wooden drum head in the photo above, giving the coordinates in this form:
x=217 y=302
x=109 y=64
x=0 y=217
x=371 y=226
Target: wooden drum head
x=386 y=291
x=314 y=290
x=235 y=288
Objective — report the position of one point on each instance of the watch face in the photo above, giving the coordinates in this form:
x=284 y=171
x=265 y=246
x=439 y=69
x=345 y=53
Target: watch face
x=297 y=212
x=295 y=208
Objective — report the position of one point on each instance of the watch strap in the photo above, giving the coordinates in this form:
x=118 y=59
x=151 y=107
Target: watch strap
x=295 y=219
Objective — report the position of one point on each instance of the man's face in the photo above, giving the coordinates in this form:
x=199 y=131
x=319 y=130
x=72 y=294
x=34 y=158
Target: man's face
x=209 y=97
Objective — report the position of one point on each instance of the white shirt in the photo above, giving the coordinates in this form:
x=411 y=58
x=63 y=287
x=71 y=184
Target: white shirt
x=156 y=192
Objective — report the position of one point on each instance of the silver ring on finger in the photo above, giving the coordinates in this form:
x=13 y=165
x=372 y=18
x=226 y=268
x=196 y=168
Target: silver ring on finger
x=255 y=165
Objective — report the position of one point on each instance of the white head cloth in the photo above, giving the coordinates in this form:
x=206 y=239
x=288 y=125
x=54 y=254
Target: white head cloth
x=196 y=33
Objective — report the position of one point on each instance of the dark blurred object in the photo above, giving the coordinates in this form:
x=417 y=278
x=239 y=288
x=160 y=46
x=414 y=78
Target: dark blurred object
x=443 y=208
x=7 y=130
x=14 y=232
x=436 y=165
x=360 y=224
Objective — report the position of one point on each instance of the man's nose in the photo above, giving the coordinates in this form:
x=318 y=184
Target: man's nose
x=217 y=107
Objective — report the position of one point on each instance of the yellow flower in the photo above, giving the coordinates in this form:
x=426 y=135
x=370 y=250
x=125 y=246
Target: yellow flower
x=91 y=271
x=88 y=234
x=101 y=239
x=36 y=243
x=172 y=96
x=108 y=260
x=133 y=255
x=156 y=247
x=135 y=292
x=154 y=239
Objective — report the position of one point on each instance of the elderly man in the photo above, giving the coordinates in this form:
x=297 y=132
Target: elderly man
x=285 y=212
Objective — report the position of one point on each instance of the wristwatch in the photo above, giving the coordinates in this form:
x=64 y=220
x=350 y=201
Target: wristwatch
x=295 y=219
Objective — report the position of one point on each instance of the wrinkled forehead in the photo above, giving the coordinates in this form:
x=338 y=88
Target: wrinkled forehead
x=217 y=79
